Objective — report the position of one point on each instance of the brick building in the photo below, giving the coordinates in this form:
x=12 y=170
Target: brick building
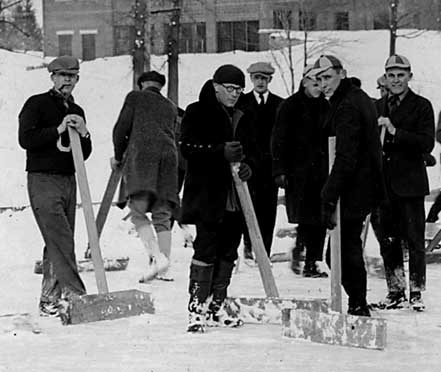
x=96 y=28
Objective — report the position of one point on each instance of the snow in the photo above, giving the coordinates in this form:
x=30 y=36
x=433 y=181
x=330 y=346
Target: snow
x=159 y=342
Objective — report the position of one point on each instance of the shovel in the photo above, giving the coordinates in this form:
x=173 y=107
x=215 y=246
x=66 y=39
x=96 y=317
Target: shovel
x=105 y=305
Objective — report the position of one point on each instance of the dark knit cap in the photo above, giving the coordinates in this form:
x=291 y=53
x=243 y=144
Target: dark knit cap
x=151 y=76
x=229 y=74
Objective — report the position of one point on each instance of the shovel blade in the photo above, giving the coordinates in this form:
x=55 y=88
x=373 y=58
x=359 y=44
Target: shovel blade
x=109 y=306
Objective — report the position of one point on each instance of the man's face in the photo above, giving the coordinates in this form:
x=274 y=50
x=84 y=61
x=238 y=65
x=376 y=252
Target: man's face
x=398 y=80
x=227 y=93
x=260 y=82
x=64 y=82
x=312 y=87
x=329 y=80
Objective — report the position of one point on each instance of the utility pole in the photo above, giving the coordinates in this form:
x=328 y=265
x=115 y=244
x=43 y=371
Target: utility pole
x=141 y=59
x=173 y=50
x=393 y=25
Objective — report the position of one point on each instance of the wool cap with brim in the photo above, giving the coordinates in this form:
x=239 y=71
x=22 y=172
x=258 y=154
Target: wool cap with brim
x=66 y=64
x=151 y=76
x=325 y=62
x=263 y=68
x=397 y=61
x=229 y=74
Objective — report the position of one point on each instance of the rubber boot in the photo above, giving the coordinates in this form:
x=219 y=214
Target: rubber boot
x=199 y=289
x=216 y=315
x=164 y=242
x=157 y=261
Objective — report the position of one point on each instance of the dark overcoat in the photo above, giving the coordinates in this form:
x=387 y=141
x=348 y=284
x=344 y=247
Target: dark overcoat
x=300 y=152
x=404 y=153
x=145 y=131
x=357 y=174
x=205 y=128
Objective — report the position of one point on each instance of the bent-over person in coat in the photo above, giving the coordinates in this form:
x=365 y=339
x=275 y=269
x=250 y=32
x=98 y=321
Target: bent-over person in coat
x=144 y=138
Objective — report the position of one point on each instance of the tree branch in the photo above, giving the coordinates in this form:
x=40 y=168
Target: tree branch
x=2 y=8
x=15 y=26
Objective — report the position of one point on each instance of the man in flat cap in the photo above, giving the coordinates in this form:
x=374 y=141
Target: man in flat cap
x=144 y=137
x=43 y=123
x=356 y=177
x=214 y=134
x=261 y=105
x=408 y=121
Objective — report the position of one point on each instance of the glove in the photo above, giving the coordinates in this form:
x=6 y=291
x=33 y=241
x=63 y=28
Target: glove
x=245 y=172
x=328 y=217
x=233 y=151
x=281 y=181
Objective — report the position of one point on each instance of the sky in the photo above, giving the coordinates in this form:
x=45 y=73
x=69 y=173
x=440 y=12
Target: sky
x=38 y=10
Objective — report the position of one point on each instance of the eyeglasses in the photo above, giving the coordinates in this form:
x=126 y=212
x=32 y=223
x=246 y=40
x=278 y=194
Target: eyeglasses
x=232 y=88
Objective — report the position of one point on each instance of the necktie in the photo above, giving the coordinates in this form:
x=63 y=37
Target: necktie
x=262 y=100
x=393 y=103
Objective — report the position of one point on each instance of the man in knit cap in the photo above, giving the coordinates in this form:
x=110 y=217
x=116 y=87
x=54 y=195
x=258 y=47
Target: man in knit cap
x=408 y=122
x=145 y=135
x=262 y=106
x=214 y=135
x=43 y=121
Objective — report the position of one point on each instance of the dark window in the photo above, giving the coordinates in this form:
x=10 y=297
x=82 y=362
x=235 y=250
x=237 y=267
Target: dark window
x=342 y=21
x=88 y=43
x=192 y=38
x=307 y=21
x=124 y=40
x=381 y=21
x=238 y=35
x=282 y=19
x=64 y=45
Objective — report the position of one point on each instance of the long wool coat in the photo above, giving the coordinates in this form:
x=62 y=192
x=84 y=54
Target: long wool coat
x=206 y=127
x=300 y=152
x=145 y=131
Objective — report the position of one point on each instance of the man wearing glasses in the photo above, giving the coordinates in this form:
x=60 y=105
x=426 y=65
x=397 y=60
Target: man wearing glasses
x=262 y=105
x=214 y=135
x=43 y=123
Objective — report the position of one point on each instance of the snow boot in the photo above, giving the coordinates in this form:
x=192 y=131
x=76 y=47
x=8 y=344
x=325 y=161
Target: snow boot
x=416 y=301
x=311 y=271
x=216 y=314
x=199 y=289
x=48 y=309
x=164 y=242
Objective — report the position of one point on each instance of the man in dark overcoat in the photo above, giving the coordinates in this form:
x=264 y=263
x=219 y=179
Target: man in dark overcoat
x=409 y=125
x=262 y=106
x=356 y=176
x=144 y=135
x=215 y=135
x=300 y=166
x=43 y=123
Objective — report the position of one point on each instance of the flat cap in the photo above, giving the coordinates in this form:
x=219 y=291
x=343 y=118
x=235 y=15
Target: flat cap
x=397 y=61
x=67 y=64
x=229 y=74
x=381 y=82
x=263 y=68
x=151 y=76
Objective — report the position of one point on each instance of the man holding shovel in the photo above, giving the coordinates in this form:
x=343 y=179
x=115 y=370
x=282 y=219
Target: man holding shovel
x=145 y=133
x=43 y=123
x=356 y=177
x=215 y=134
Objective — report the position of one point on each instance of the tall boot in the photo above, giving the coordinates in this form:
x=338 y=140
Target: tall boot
x=199 y=289
x=157 y=261
x=164 y=242
x=216 y=315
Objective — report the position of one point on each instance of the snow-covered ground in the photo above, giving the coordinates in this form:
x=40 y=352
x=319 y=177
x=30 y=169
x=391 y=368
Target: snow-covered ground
x=159 y=342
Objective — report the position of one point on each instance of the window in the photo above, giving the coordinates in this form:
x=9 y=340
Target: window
x=282 y=19
x=65 y=44
x=192 y=38
x=306 y=21
x=88 y=44
x=124 y=40
x=342 y=21
x=238 y=35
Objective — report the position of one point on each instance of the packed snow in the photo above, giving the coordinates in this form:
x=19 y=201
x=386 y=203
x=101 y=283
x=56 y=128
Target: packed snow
x=159 y=342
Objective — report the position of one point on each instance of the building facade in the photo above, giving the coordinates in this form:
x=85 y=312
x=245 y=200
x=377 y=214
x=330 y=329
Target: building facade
x=88 y=29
